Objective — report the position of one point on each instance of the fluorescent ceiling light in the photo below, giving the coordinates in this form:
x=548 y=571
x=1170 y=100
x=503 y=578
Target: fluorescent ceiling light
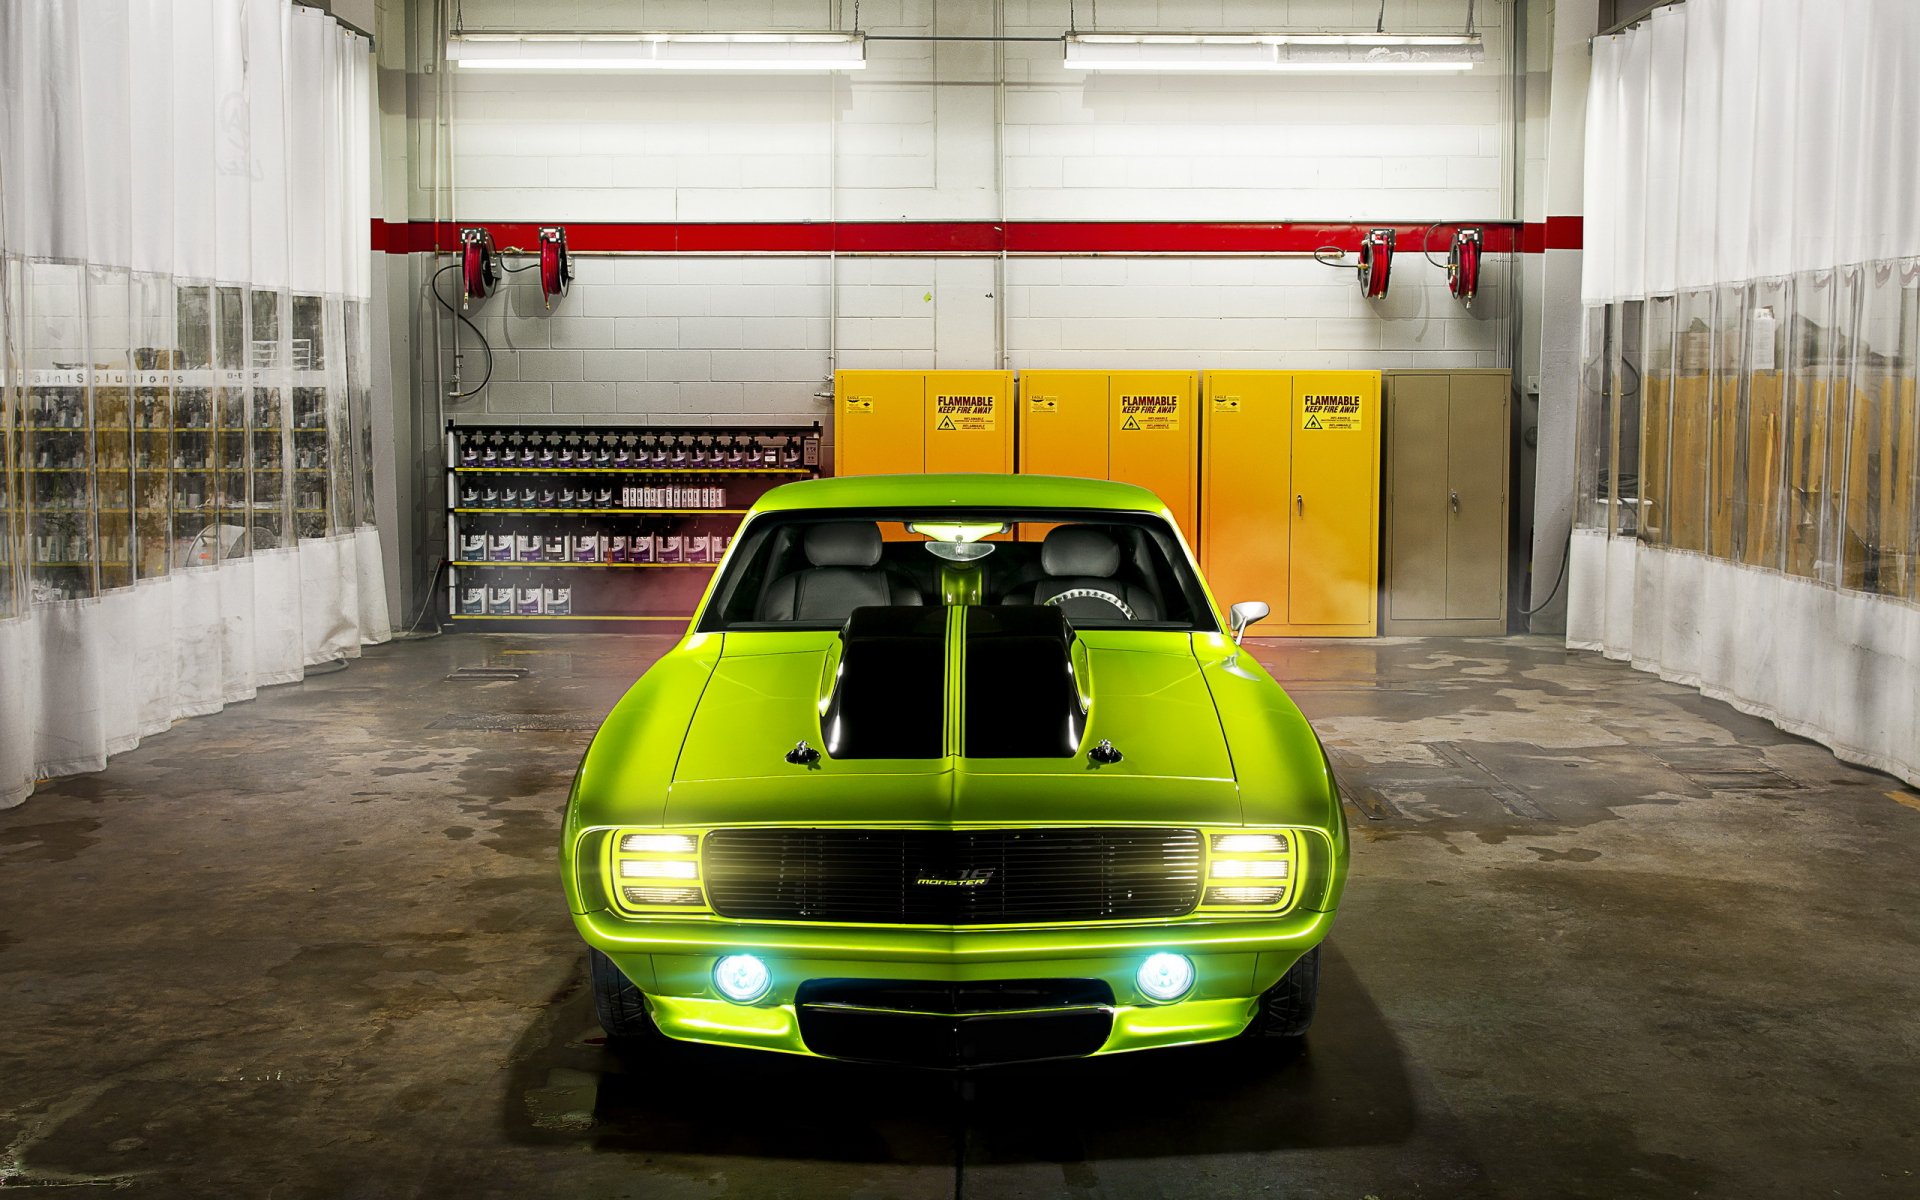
x=658 y=51
x=1256 y=53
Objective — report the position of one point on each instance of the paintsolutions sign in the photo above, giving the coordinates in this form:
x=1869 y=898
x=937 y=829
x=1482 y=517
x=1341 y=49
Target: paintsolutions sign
x=1149 y=412
x=963 y=414
x=1322 y=412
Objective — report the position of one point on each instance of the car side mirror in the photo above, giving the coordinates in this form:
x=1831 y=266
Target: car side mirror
x=1244 y=614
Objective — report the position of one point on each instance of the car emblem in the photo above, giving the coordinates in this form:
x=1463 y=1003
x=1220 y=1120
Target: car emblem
x=966 y=879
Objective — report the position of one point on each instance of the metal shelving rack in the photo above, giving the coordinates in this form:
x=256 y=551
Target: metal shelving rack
x=548 y=523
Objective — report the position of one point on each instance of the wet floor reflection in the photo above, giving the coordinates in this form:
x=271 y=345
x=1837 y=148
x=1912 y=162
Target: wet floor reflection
x=1348 y=1088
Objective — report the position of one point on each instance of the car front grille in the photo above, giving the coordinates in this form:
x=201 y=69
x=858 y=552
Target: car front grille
x=952 y=877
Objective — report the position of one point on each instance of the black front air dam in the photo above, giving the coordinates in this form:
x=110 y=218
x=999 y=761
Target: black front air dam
x=952 y=1026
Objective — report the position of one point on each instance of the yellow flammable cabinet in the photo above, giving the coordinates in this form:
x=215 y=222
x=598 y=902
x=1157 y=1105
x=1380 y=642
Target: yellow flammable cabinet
x=1131 y=426
x=1290 y=497
x=909 y=422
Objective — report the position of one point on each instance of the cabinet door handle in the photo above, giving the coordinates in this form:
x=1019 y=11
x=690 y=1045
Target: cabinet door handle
x=1300 y=505
x=1454 y=499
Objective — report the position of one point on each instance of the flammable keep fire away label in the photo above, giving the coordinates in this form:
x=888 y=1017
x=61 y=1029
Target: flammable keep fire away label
x=963 y=414
x=1149 y=412
x=1330 y=412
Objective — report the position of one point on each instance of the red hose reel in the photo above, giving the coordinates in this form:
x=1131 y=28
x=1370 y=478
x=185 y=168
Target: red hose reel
x=1463 y=265
x=1376 y=262
x=556 y=266
x=479 y=266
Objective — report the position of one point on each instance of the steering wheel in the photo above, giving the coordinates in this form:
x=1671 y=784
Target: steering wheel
x=1087 y=593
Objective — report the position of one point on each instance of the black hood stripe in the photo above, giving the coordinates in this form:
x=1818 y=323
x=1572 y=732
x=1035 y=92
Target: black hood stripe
x=1021 y=699
x=889 y=700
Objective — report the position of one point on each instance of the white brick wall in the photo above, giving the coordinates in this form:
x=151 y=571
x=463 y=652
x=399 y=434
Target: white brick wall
x=913 y=137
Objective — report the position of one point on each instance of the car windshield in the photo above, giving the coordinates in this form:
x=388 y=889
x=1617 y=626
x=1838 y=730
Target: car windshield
x=1103 y=570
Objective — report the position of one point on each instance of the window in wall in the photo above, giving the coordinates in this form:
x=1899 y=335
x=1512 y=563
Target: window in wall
x=272 y=358
x=359 y=389
x=1629 y=333
x=1760 y=446
x=12 y=490
x=153 y=378
x=312 y=416
x=229 y=532
x=1656 y=426
x=1689 y=395
x=1593 y=435
x=196 y=480
x=1906 y=477
x=108 y=340
x=1813 y=453
x=1774 y=423
x=59 y=435
x=1877 y=541
x=342 y=477
x=1723 y=417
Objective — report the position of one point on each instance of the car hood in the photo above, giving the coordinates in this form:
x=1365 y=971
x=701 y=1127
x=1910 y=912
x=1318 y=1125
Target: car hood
x=1142 y=691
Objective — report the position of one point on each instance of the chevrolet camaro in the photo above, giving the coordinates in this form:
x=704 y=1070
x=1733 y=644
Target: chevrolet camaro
x=955 y=770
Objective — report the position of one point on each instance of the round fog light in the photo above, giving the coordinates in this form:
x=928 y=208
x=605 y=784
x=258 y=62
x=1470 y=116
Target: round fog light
x=742 y=978
x=1165 y=977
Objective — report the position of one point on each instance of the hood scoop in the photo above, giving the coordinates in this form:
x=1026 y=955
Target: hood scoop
x=889 y=688
x=1021 y=697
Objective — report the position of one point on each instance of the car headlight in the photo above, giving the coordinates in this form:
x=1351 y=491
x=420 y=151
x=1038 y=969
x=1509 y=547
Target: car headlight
x=655 y=871
x=1248 y=871
x=1242 y=868
x=640 y=868
x=658 y=843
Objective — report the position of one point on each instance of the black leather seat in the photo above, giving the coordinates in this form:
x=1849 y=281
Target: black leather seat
x=844 y=573
x=1078 y=560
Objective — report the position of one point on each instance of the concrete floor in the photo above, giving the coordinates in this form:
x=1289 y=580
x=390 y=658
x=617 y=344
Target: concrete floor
x=1604 y=938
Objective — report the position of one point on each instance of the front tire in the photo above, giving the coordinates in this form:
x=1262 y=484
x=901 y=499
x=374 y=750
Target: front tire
x=621 y=1007
x=1286 y=1009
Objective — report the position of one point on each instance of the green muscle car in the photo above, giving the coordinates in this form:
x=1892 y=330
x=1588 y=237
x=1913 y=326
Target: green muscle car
x=953 y=770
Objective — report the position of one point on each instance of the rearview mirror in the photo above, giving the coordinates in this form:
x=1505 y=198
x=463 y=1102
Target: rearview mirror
x=1244 y=614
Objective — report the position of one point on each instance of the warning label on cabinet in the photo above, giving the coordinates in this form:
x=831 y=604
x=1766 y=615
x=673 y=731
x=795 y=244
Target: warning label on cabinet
x=1330 y=412
x=860 y=404
x=1149 y=412
x=1226 y=404
x=963 y=414
x=1041 y=404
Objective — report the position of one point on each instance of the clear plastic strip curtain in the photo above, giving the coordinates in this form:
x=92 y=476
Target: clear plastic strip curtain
x=186 y=276
x=1748 y=508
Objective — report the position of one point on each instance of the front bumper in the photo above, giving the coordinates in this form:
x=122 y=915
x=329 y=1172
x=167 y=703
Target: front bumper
x=1235 y=960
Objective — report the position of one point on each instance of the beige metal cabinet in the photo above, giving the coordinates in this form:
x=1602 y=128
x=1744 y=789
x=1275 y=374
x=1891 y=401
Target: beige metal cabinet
x=1445 y=541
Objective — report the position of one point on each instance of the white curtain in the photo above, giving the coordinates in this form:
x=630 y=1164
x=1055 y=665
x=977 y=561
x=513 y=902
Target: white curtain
x=1749 y=505
x=184 y=444
x=1733 y=140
